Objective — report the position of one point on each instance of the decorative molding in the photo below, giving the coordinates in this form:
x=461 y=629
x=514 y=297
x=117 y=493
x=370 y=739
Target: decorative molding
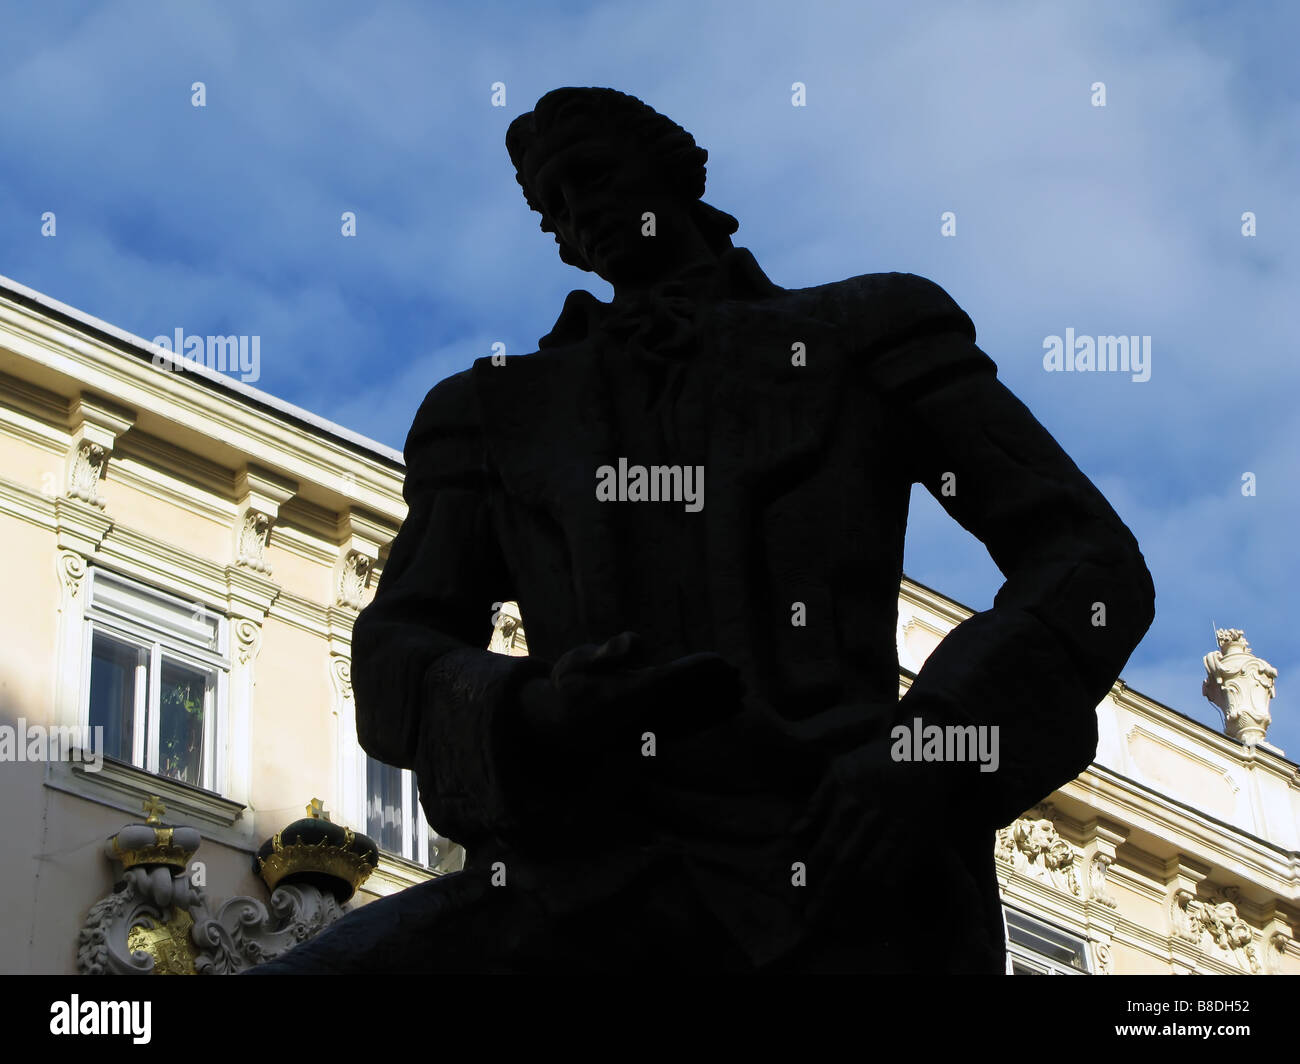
x=197 y=409
x=248 y=639
x=1101 y=840
x=162 y=471
x=34 y=414
x=341 y=675
x=1098 y=869
x=354 y=572
x=32 y=507
x=1033 y=847
x=260 y=494
x=79 y=525
x=1103 y=960
x=72 y=575
x=1137 y=731
x=1278 y=944
x=360 y=537
x=96 y=425
x=244 y=932
x=1215 y=922
x=253 y=536
x=1145 y=810
x=158 y=922
x=133 y=932
x=88 y=462
x=124 y=786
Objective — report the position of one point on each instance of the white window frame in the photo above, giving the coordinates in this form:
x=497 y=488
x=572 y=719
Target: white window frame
x=1017 y=953
x=154 y=646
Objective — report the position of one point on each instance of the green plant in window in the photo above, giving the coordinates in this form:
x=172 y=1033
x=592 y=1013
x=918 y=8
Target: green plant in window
x=181 y=729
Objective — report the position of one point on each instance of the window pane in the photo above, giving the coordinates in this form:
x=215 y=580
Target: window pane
x=1037 y=939
x=113 y=666
x=384 y=805
x=182 y=707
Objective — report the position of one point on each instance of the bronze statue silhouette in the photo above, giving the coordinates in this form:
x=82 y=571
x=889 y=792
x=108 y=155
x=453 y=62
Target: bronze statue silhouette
x=693 y=770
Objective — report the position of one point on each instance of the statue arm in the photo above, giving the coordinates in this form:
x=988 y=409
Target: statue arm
x=429 y=696
x=1037 y=663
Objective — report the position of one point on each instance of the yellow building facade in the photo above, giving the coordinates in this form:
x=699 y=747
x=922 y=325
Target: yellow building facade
x=186 y=558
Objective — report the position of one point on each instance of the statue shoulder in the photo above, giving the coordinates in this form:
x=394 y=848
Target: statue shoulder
x=905 y=332
x=886 y=309
x=449 y=414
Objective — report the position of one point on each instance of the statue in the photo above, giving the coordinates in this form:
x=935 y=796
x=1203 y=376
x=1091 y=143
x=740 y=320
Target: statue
x=1241 y=685
x=695 y=494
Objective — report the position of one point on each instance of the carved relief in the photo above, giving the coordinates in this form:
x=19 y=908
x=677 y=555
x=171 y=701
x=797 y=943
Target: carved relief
x=341 y=671
x=158 y=922
x=1241 y=685
x=1215 y=923
x=353 y=577
x=244 y=932
x=135 y=931
x=248 y=639
x=1033 y=847
x=87 y=467
x=1277 y=947
x=1098 y=869
x=72 y=572
x=254 y=534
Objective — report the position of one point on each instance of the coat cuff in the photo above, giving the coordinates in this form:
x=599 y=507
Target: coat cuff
x=467 y=741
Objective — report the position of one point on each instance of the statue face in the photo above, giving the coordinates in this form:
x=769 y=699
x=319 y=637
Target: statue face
x=595 y=196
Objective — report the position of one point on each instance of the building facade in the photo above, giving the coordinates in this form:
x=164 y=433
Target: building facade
x=186 y=558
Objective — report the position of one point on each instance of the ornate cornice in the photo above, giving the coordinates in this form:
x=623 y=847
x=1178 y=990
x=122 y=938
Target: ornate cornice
x=98 y=358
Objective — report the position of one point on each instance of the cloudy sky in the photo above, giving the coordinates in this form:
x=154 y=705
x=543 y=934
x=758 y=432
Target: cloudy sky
x=1122 y=219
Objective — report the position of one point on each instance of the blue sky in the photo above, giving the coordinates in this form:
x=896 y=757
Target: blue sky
x=1116 y=220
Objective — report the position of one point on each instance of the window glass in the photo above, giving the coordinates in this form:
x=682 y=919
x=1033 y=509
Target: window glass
x=117 y=669
x=384 y=805
x=1038 y=948
x=182 y=715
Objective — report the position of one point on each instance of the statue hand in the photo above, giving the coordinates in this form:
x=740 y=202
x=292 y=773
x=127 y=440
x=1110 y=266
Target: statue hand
x=600 y=695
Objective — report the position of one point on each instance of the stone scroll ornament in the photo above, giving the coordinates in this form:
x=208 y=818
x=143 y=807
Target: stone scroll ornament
x=157 y=921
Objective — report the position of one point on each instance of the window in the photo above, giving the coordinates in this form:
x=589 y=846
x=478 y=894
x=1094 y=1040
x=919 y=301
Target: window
x=1036 y=948
x=157 y=676
x=394 y=818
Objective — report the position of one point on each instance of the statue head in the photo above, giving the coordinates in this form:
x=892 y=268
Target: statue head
x=593 y=161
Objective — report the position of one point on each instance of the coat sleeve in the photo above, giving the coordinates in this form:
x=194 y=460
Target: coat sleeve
x=1077 y=598
x=429 y=695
